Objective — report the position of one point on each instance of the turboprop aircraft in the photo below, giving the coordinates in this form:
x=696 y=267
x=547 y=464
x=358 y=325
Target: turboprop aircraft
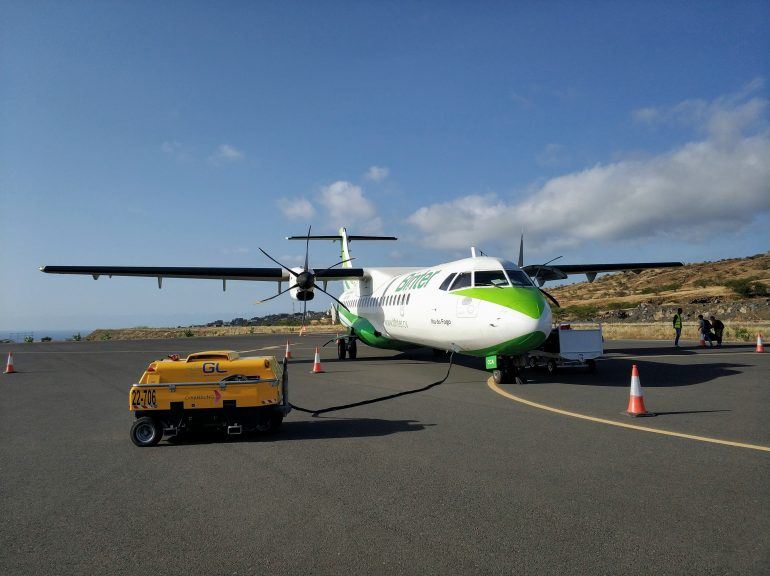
x=480 y=306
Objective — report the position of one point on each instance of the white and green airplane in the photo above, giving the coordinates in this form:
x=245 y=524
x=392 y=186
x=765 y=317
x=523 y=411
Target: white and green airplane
x=480 y=306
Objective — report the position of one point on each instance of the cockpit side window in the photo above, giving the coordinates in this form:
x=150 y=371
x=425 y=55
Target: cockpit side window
x=519 y=278
x=447 y=281
x=463 y=280
x=490 y=278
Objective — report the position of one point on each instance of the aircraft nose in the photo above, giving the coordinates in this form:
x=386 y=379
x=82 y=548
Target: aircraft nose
x=545 y=321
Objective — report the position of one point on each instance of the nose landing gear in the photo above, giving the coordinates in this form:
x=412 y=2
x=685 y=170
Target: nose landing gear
x=510 y=370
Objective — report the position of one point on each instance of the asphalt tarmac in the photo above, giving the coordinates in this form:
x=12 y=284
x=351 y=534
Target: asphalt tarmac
x=459 y=479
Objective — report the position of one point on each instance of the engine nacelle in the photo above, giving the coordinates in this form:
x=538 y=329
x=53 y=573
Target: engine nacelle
x=302 y=295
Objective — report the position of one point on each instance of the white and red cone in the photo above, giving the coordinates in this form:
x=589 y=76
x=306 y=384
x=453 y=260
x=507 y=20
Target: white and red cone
x=9 y=365
x=317 y=362
x=760 y=345
x=287 y=355
x=636 y=400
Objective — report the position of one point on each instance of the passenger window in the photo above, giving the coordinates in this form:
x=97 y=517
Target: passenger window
x=462 y=281
x=447 y=281
x=490 y=278
x=519 y=278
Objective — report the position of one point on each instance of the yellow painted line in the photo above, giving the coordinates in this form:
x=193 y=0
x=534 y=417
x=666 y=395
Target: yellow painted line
x=259 y=349
x=495 y=388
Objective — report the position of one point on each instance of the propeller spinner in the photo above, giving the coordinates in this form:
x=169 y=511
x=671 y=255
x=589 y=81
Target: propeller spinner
x=304 y=280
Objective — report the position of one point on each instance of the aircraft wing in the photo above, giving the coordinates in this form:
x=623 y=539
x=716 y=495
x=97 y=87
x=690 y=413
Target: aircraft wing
x=560 y=272
x=159 y=272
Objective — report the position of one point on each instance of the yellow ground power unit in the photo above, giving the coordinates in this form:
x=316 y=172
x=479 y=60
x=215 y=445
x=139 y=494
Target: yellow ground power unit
x=215 y=389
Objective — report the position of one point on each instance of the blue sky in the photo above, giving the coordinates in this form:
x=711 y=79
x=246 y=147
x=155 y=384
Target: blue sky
x=146 y=133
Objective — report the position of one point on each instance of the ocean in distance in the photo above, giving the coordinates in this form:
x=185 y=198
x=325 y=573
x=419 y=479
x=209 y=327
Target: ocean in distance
x=57 y=335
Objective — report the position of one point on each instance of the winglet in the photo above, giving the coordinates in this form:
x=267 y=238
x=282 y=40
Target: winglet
x=521 y=251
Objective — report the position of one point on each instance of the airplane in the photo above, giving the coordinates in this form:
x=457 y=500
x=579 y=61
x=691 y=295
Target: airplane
x=479 y=306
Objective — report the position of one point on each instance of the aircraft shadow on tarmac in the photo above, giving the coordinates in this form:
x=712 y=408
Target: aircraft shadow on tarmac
x=315 y=429
x=616 y=372
x=669 y=349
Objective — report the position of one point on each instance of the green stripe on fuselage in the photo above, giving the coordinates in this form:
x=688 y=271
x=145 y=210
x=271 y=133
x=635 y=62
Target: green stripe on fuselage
x=528 y=301
x=366 y=332
x=513 y=347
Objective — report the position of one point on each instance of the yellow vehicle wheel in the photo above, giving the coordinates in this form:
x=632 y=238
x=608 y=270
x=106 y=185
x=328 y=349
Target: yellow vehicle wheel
x=146 y=431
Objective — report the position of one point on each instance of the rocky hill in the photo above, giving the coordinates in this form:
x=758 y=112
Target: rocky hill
x=734 y=290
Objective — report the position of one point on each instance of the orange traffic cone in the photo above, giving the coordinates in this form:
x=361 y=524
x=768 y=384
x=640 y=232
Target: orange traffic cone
x=760 y=345
x=317 y=362
x=636 y=401
x=9 y=366
x=287 y=355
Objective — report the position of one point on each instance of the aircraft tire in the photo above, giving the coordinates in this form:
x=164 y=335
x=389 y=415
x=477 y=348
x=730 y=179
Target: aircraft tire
x=341 y=349
x=352 y=349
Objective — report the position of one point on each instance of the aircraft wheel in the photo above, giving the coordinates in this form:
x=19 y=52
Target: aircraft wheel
x=497 y=376
x=551 y=365
x=146 y=431
x=341 y=348
x=520 y=379
x=352 y=349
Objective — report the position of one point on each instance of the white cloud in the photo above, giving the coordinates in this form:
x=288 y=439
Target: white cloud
x=176 y=151
x=346 y=206
x=721 y=181
x=225 y=154
x=551 y=155
x=171 y=147
x=377 y=173
x=292 y=259
x=239 y=251
x=296 y=208
x=723 y=118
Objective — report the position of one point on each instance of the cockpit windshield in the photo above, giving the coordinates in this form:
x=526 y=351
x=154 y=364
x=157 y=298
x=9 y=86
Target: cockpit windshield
x=462 y=280
x=519 y=278
x=491 y=278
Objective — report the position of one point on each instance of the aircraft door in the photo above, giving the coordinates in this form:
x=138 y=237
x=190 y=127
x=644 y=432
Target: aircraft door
x=467 y=307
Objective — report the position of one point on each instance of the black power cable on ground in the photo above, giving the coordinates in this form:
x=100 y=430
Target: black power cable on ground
x=379 y=399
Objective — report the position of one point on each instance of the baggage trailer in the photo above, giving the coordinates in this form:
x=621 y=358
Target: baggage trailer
x=569 y=345
x=215 y=389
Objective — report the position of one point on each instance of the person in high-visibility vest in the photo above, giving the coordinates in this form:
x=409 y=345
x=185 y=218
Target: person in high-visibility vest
x=677 y=326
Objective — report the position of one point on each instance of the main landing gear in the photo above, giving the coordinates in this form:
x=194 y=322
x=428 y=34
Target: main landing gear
x=509 y=370
x=347 y=347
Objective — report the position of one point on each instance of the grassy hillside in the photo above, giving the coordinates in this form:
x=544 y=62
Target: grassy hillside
x=735 y=290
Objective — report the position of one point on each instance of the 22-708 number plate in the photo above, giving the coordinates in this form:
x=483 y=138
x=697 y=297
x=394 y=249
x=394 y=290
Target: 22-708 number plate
x=143 y=398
